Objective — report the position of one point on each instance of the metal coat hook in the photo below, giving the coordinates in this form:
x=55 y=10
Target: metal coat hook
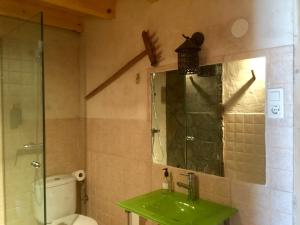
x=253 y=74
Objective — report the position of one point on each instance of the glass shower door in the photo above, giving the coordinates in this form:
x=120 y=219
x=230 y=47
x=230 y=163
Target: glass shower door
x=23 y=123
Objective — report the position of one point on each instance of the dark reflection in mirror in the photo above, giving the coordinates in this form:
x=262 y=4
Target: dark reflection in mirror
x=193 y=121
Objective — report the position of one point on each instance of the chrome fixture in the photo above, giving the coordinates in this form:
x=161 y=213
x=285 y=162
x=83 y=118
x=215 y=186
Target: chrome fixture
x=154 y=131
x=36 y=164
x=190 y=138
x=191 y=185
x=32 y=146
x=28 y=149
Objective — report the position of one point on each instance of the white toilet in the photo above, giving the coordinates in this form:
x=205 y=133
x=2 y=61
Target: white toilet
x=61 y=202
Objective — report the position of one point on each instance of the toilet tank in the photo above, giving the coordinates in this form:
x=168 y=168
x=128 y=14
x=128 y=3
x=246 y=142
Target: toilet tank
x=60 y=197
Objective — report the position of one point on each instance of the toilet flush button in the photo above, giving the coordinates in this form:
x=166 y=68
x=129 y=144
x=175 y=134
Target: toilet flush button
x=275 y=103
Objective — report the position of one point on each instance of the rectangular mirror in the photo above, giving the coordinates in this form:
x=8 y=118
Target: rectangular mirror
x=213 y=121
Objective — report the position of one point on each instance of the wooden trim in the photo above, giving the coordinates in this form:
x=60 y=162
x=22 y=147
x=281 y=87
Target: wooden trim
x=104 y=9
x=116 y=75
x=150 y=50
x=52 y=17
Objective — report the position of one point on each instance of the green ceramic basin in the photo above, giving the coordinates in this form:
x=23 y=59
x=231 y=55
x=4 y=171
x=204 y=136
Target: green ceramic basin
x=172 y=208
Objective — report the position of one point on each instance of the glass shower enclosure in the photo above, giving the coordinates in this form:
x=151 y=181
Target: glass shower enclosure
x=22 y=193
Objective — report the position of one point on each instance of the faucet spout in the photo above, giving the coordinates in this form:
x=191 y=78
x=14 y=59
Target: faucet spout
x=183 y=185
x=190 y=186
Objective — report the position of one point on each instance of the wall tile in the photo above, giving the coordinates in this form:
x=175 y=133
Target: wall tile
x=281 y=201
x=280 y=218
x=60 y=146
x=281 y=159
x=245 y=160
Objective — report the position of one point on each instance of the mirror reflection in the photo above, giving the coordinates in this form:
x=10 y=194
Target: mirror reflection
x=213 y=121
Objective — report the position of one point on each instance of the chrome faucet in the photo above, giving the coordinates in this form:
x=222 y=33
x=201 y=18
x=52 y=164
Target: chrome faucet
x=191 y=186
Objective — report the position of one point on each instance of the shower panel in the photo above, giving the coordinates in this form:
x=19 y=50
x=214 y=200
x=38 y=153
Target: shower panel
x=22 y=136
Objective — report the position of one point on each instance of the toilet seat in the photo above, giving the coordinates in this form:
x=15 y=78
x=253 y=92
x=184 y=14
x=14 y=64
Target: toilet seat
x=74 y=219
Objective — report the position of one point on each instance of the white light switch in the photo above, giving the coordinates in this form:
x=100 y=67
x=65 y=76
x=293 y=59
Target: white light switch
x=275 y=103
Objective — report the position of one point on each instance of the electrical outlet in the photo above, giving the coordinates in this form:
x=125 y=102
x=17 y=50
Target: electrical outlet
x=275 y=103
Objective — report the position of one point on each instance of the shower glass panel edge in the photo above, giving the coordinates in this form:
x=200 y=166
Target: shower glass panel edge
x=23 y=138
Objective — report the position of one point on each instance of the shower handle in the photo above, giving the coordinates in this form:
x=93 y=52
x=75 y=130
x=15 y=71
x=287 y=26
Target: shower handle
x=35 y=164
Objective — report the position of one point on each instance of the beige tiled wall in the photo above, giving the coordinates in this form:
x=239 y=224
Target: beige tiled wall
x=244 y=147
x=118 y=125
x=118 y=168
x=65 y=145
x=244 y=119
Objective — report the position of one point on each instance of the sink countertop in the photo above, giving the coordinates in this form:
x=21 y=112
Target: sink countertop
x=173 y=208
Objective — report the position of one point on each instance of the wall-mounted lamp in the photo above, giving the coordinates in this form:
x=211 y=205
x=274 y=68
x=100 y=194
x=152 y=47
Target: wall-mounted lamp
x=188 y=54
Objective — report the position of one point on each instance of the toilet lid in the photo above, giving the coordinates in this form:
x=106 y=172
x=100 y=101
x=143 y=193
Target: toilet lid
x=84 y=220
x=75 y=219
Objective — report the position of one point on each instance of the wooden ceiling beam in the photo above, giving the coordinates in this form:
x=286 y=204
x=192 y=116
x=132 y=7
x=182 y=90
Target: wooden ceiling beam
x=104 y=9
x=25 y=9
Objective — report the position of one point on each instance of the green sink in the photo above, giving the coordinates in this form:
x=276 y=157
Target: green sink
x=173 y=208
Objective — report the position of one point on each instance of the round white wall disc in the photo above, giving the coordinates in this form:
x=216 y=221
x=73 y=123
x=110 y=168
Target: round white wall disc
x=239 y=28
